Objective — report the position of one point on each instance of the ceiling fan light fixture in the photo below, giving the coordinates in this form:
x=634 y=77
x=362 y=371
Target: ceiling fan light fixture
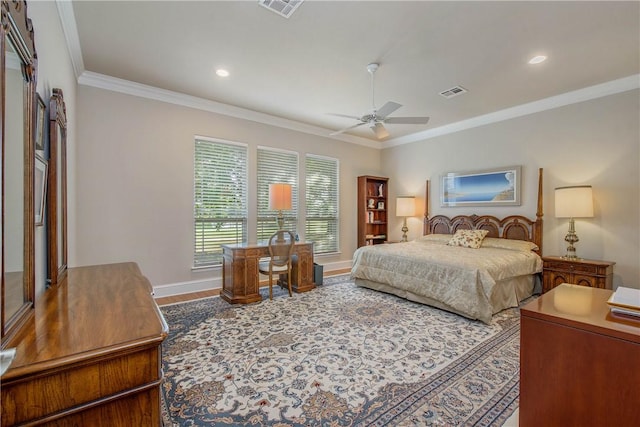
x=377 y=117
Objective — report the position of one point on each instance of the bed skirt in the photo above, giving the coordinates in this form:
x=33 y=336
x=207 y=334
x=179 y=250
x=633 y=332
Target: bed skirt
x=506 y=294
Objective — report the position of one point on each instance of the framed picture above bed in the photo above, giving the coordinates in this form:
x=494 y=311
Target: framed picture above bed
x=490 y=187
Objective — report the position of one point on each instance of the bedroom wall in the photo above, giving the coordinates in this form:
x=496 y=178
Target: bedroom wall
x=595 y=142
x=55 y=70
x=135 y=182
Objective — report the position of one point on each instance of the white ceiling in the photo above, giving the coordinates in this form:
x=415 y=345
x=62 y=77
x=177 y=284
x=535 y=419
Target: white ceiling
x=314 y=62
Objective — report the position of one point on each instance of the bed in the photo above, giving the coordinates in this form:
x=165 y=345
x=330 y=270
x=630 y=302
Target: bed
x=492 y=264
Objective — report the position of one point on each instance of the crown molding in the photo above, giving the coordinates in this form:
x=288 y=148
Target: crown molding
x=68 y=20
x=114 y=84
x=102 y=81
x=592 y=92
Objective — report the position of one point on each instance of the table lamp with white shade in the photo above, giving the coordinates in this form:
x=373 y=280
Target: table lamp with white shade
x=573 y=202
x=405 y=207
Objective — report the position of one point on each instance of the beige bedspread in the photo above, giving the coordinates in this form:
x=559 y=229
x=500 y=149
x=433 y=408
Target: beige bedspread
x=473 y=282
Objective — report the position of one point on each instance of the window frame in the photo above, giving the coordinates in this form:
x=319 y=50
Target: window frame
x=324 y=242
x=271 y=173
x=205 y=253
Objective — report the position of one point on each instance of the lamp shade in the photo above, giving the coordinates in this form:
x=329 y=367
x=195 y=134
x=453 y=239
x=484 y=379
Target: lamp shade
x=574 y=202
x=405 y=206
x=279 y=197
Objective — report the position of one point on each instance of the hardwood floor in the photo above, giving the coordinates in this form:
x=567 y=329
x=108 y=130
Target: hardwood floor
x=213 y=292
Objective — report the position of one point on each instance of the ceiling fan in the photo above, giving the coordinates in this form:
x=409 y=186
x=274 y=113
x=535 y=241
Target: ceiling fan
x=377 y=118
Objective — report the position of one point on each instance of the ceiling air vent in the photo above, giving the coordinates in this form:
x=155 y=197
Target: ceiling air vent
x=281 y=7
x=454 y=91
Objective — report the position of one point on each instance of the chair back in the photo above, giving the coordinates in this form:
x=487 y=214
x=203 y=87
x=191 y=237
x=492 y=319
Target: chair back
x=281 y=247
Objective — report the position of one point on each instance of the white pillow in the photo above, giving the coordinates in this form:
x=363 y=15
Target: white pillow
x=435 y=238
x=468 y=238
x=514 y=245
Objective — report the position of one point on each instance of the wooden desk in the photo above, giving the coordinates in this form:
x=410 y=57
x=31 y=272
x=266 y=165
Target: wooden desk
x=240 y=283
x=579 y=364
x=90 y=355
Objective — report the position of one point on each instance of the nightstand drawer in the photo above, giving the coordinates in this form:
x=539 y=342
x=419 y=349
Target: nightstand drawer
x=573 y=267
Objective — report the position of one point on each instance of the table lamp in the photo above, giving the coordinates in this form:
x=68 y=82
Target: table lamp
x=573 y=202
x=405 y=206
x=280 y=200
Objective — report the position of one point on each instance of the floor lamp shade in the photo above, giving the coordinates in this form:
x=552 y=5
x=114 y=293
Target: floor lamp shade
x=405 y=206
x=573 y=202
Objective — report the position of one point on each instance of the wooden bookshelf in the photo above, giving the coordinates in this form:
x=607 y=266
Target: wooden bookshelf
x=372 y=210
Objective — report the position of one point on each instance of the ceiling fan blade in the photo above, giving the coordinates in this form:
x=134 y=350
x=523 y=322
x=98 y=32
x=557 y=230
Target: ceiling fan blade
x=387 y=109
x=379 y=130
x=407 y=120
x=346 y=129
x=344 y=115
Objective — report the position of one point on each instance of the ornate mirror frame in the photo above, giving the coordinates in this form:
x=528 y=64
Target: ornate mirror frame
x=17 y=45
x=57 y=202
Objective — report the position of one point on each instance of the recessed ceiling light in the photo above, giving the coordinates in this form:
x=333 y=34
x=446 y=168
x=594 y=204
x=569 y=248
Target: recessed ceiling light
x=537 y=59
x=222 y=73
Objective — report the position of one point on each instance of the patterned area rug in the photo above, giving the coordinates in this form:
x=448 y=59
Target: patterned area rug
x=340 y=355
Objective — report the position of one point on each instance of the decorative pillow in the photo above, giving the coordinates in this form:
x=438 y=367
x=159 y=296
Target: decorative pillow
x=514 y=245
x=435 y=238
x=468 y=238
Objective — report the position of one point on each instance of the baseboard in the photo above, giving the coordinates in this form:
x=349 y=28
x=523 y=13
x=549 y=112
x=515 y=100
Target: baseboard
x=174 y=289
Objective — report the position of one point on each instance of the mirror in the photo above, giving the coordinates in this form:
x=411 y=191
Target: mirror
x=18 y=156
x=57 y=219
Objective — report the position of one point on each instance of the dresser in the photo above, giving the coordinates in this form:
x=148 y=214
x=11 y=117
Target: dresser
x=91 y=355
x=584 y=272
x=579 y=364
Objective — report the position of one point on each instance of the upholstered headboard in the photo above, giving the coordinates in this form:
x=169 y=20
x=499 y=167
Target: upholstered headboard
x=514 y=227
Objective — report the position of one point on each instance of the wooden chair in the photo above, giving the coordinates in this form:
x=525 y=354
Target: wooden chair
x=280 y=251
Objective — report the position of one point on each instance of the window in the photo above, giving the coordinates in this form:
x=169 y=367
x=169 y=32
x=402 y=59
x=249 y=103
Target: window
x=322 y=220
x=220 y=198
x=276 y=166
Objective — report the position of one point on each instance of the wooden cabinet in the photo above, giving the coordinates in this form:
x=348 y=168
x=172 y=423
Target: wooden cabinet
x=372 y=210
x=91 y=355
x=583 y=272
x=578 y=361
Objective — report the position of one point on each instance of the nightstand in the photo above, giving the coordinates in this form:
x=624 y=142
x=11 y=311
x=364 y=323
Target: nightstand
x=584 y=272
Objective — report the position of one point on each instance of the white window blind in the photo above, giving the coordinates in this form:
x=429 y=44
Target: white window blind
x=276 y=166
x=322 y=194
x=220 y=199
